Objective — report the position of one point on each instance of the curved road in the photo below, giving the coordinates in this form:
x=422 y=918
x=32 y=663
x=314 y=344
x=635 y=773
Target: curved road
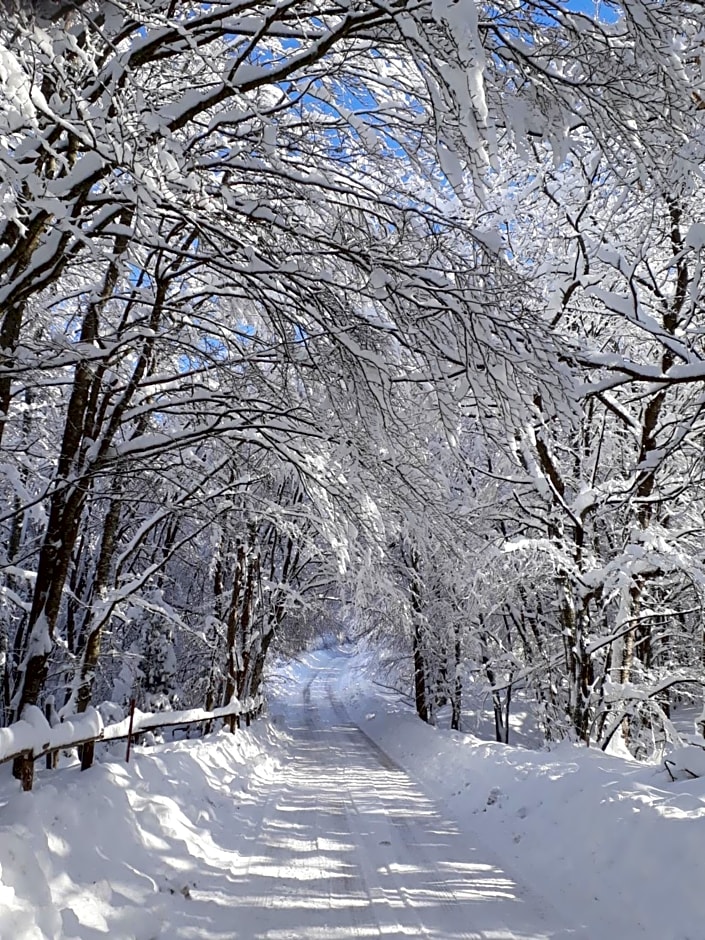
x=350 y=847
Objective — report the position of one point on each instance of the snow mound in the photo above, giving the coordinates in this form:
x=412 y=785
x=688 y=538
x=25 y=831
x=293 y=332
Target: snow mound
x=134 y=851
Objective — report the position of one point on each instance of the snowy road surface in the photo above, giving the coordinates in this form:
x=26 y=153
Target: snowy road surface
x=298 y=830
x=301 y=828
x=351 y=847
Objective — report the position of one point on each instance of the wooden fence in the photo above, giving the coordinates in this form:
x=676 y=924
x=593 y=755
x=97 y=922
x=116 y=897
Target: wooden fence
x=33 y=737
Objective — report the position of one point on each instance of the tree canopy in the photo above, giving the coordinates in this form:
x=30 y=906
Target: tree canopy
x=388 y=304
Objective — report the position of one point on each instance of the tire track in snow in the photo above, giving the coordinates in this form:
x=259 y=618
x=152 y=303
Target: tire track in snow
x=473 y=852
x=351 y=847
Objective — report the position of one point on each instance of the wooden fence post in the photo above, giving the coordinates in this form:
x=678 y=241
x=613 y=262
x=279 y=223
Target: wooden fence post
x=129 y=730
x=26 y=768
x=87 y=754
x=52 y=756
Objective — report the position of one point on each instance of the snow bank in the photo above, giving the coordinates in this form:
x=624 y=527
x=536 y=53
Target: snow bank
x=135 y=851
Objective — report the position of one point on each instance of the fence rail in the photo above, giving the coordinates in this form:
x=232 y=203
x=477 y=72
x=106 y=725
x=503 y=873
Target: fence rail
x=33 y=737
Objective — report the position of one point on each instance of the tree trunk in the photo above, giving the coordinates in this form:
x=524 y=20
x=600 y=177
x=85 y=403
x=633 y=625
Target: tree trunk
x=90 y=641
x=232 y=626
x=457 y=691
x=423 y=709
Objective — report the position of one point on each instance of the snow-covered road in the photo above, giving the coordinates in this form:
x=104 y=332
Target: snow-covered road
x=351 y=847
x=300 y=828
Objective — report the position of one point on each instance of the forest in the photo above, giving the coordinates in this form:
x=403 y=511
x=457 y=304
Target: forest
x=355 y=317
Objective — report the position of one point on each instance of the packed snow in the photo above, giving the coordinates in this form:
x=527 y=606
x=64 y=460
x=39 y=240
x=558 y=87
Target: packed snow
x=341 y=815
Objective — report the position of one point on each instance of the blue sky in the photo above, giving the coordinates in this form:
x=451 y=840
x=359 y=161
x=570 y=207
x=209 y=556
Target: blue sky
x=606 y=11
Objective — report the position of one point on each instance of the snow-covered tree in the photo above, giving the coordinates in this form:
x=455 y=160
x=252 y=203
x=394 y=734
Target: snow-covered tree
x=266 y=267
